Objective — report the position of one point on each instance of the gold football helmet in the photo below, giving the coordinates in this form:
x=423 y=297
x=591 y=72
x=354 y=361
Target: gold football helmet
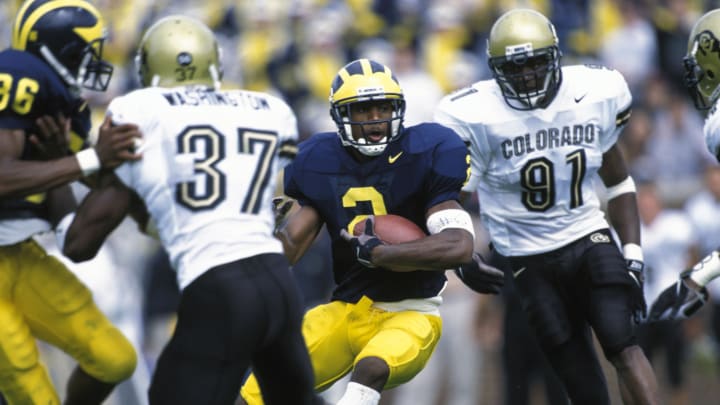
x=524 y=58
x=702 y=62
x=69 y=36
x=179 y=50
x=359 y=81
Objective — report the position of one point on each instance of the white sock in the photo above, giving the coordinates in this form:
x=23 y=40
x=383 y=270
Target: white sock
x=358 y=394
x=707 y=269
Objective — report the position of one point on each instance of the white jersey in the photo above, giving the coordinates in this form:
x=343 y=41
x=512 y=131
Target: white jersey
x=711 y=131
x=535 y=171
x=208 y=172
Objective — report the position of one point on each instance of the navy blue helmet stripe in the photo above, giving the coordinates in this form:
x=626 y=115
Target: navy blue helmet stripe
x=337 y=83
x=354 y=68
x=376 y=67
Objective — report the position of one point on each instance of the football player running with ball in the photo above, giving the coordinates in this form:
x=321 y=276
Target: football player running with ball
x=210 y=164
x=380 y=325
x=538 y=134
x=702 y=77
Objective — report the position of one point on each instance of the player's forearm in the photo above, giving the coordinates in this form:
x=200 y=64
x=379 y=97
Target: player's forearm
x=61 y=201
x=98 y=215
x=441 y=251
x=20 y=178
x=298 y=232
x=624 y=217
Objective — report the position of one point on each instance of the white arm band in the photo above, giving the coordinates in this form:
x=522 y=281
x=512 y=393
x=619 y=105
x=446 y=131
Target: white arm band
x=707 y=269
x=632 y=251
x=61 y=230
x=625 y=186
x=88 y=160
x=450 y=218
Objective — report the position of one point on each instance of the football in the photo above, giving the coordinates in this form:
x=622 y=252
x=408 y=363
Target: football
x=392 y=229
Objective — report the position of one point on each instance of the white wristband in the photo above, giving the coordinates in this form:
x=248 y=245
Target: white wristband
x=61 y=230
x=88 y=160
x=707 y=269
x=450 y=218
x=624 y=187
x=632 y=251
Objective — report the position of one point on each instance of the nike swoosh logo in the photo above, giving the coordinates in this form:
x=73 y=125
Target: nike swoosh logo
x=517 y=272
x=392 y=159
x=579 y=99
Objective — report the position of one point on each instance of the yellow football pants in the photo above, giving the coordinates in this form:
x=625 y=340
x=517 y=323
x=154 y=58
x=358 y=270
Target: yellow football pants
x=41 y=298
x=339 y=334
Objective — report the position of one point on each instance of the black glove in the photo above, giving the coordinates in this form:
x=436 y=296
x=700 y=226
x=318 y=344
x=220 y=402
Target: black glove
x=480 y=276
x=678 y=301
x=281 y=208
x=363 y=244
x=636 y=270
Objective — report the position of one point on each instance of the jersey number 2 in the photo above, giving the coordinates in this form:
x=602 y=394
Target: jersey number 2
x=209 y=144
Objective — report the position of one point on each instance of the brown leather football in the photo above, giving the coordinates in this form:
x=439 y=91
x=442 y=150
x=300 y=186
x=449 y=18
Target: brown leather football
x=392 y=229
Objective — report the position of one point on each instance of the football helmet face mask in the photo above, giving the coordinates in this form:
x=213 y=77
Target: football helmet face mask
x=69 y=35
x=361 y=81
x=179 y=50
x=524 y=58
x=702 y=61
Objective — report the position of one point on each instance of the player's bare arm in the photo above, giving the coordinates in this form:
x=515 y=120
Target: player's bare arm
x=622 y=209
x=100 y=212
x=299 y=231
x=60 y=202
x=20 y=178
x=624 y=217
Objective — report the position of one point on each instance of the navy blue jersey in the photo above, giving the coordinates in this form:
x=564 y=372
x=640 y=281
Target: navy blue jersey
x=426 y=166
x=29 y=89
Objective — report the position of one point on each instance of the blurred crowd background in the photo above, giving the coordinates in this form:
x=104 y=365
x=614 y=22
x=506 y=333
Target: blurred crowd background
x=294 y=48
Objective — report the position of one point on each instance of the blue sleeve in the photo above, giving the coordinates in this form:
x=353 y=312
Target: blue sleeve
x=450 y=170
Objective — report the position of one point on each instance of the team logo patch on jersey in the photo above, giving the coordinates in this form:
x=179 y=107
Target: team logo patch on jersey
x=599 y=238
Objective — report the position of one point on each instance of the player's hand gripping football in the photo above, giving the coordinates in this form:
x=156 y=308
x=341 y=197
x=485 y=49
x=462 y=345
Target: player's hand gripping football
x=636 y=270
x=364 y=243
x=678 y=301
x=480 y=276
